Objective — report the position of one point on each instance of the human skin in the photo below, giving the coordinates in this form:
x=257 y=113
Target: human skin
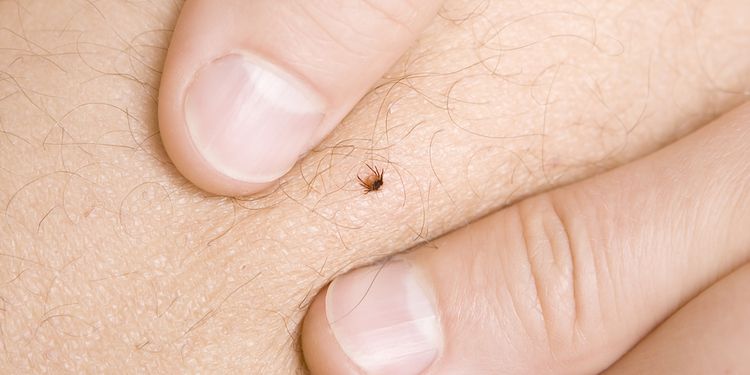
x=111 y=260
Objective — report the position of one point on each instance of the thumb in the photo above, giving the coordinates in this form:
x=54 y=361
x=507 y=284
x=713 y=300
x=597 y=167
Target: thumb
x=250 y=86
x=564 y=282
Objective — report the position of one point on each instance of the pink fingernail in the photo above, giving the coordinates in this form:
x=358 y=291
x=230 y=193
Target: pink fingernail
x=383 y=319
x=249 y=119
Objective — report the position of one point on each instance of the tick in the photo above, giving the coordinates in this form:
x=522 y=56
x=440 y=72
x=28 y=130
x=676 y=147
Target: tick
x=374 y=181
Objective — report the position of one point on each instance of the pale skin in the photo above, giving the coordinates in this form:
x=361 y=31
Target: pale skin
x=111 y=260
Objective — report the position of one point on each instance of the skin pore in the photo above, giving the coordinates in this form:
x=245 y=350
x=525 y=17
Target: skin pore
x=109 y=259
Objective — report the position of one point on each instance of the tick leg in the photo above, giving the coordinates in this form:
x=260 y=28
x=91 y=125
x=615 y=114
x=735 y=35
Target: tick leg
x=372 y=170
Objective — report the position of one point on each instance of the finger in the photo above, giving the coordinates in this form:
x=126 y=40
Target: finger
x=709 y=335
x=564 y=282
x=250 y=86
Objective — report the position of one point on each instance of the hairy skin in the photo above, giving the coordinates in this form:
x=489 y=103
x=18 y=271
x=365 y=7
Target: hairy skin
x=110 y=260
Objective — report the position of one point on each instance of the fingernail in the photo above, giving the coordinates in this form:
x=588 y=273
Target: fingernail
x=249 y=119
x=384 y=320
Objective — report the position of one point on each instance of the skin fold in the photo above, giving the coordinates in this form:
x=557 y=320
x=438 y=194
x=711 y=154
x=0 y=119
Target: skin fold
x=110 y=260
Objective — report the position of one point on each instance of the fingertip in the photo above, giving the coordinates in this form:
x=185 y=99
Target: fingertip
x=234 y=118
x=248 y=88
x=376 y=320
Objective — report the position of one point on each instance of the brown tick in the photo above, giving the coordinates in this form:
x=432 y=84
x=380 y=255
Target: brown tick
x=374 y=181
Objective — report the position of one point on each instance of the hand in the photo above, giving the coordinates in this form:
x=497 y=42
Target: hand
x=568 y=281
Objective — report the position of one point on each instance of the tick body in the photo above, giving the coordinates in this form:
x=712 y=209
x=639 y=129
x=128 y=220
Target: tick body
x=374 y=181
